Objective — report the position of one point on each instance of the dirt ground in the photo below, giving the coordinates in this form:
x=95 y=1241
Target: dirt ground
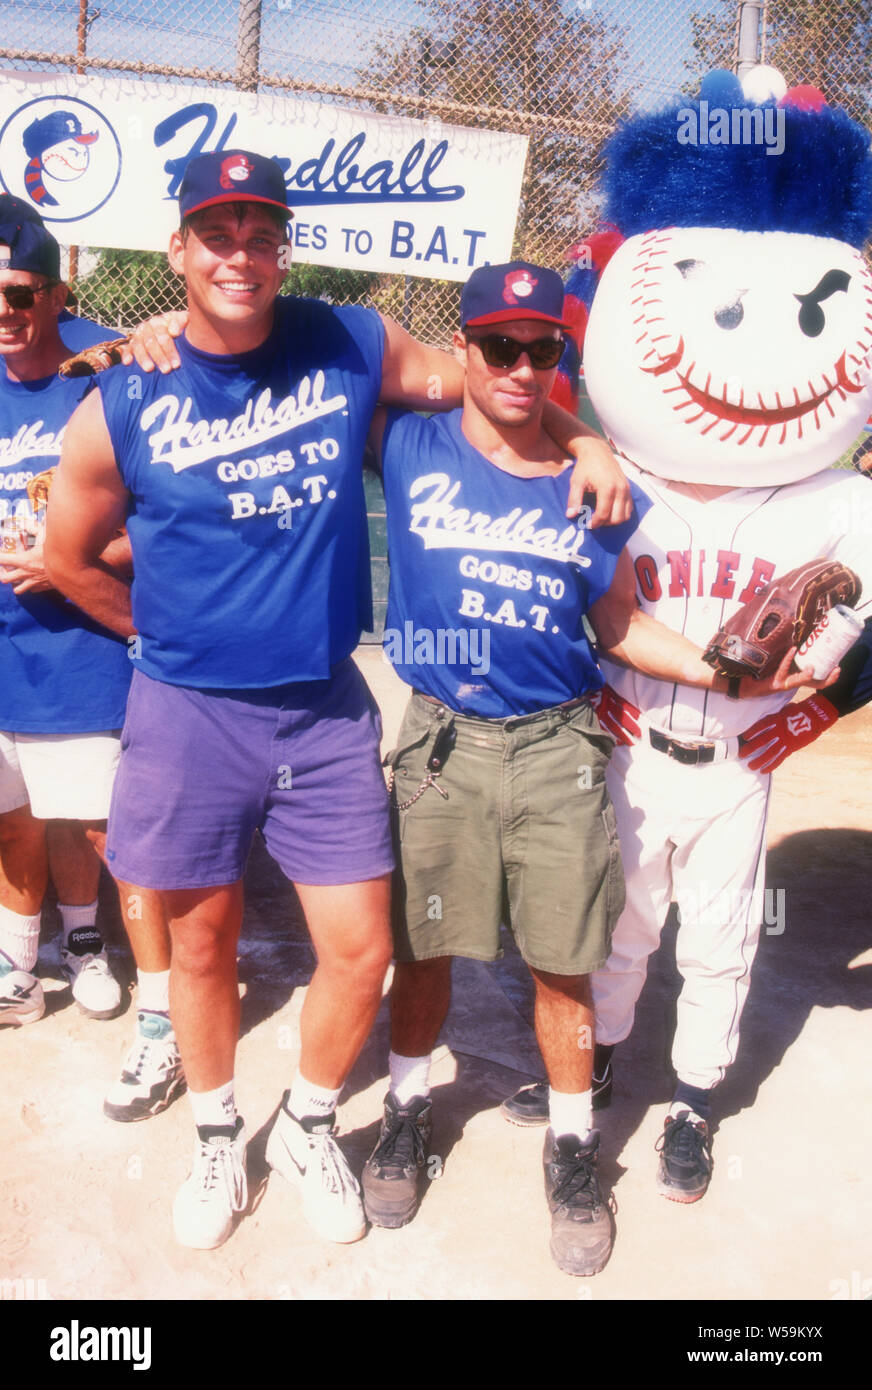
x=86 y=1201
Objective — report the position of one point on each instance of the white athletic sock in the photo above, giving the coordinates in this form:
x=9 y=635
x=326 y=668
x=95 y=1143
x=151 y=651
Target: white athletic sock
x=571 y=1113
x=80 y=932
x=153 y=991
x=307 y=1099
x=213 y=1108
x=410 y=1077
x=19 y=939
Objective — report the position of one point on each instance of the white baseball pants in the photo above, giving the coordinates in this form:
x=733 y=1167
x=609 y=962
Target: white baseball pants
x=696 y=835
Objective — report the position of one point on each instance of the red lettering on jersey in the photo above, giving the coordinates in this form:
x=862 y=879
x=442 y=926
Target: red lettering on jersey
x=728 y=562
x=699 y=589
x=646 y=573
x=679 y=562
x=761 y=572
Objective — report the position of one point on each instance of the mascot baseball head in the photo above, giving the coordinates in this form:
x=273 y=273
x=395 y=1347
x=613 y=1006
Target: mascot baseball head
x=729 y=338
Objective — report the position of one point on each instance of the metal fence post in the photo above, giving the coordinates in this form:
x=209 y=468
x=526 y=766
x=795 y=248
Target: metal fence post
x=750 y=12
x=248 y=45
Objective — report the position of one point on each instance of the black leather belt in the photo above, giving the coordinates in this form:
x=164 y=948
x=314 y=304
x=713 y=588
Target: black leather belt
x=689 y=753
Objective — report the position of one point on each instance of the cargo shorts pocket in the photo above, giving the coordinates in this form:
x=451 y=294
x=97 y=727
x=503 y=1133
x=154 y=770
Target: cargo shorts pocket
x=616 y=888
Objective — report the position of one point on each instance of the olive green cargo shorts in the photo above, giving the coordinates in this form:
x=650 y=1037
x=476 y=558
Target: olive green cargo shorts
x=504 y=820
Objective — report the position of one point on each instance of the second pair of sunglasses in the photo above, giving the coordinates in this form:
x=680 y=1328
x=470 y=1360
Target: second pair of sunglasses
x=22 y=296
x=499 y=350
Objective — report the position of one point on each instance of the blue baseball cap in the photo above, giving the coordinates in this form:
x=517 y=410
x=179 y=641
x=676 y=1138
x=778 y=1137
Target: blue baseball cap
x=53 y=129
x=517 y=290
x=232 y=176
x=31 y=246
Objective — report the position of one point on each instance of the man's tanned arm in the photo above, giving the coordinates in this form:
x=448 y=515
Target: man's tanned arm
x=86 y=508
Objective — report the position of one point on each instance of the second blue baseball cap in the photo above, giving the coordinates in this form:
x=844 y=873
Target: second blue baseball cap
x=31 y=246
x=232 y=176
x=516 y=290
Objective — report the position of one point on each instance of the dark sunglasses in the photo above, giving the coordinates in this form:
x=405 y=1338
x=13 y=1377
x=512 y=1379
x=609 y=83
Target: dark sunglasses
x=499 y=350
x=22 y=296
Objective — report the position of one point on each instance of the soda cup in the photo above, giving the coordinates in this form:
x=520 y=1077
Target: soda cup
x=832 y=636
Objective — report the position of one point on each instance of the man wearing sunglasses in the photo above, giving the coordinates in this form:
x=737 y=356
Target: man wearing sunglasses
x=63 y=679
x=500 y=805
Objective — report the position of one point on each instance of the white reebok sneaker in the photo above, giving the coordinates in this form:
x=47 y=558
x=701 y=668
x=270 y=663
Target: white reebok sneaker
x=95 y=988
x=151 y=1075
x=306 y=1153
x=216 y=1190
x=21 y=998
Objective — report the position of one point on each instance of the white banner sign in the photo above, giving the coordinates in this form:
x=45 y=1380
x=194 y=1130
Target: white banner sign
x=102 y=161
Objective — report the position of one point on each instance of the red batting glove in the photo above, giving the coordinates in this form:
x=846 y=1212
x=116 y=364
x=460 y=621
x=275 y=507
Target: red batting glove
x=775 y=737
x=616 y=715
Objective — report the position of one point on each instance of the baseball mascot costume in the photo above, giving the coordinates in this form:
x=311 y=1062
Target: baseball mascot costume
x=726 y=320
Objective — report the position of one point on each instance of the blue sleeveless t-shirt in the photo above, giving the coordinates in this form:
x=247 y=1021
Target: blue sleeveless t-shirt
x=247 y=514
x=60 y=672
x=489 y=580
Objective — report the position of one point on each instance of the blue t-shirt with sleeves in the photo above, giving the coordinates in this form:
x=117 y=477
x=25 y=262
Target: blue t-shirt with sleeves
x=489 y=579
x=247 y=513
x=60 y=673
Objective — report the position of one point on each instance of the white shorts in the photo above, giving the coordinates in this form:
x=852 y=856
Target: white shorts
x=62 y=776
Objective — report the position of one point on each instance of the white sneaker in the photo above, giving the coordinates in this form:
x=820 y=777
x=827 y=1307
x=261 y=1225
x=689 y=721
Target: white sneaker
x=21 y=998
x=217 y=1189
x=95 y=988
x=306 y=1153
x=151 y=1076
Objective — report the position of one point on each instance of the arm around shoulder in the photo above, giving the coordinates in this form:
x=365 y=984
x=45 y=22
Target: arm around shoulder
x=422 y=378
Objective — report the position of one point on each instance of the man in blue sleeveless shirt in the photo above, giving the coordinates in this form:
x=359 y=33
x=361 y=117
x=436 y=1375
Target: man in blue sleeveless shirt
x=500 y=801
x=241 y=474
x=63 y=679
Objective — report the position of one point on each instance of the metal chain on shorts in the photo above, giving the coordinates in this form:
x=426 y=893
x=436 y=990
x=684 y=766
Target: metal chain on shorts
x=429 y=781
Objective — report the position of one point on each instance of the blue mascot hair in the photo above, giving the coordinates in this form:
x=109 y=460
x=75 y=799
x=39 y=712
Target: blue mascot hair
x=820 y=184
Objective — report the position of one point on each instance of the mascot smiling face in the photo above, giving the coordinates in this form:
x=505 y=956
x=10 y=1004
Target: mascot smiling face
x=730 y=335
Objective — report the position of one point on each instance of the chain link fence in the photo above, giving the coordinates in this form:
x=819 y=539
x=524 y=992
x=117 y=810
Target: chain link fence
x=560 y=71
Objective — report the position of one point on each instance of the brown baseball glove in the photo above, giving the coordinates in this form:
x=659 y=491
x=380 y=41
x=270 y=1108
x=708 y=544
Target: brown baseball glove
x=38 y=488
x=756 y=638
x=94 y=359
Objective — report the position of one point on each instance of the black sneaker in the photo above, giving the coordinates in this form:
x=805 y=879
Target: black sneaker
x=529 y=1106
x=581 y=1225
x=685 y=1158
x=391 y=1179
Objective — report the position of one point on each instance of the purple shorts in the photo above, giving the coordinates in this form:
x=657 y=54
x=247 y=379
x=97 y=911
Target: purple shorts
x=202 y=770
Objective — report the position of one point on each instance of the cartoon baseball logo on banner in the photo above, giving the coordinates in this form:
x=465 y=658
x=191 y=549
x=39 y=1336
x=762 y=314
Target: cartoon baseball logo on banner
x=61 y=155
x=369 y=191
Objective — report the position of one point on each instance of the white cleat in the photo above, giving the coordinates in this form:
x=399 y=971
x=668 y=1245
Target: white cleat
x=306 y=1153
x=95 y=988
x=217 y=1189
x=21 y=998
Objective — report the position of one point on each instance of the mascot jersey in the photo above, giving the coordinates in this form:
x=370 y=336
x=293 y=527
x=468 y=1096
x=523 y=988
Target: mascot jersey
x=697 y=562
x=248 y=520
x=489 y=580
x=61 y=673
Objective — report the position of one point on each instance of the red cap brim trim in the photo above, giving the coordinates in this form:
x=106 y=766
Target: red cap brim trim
x=240 y=197
x=512 y=315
